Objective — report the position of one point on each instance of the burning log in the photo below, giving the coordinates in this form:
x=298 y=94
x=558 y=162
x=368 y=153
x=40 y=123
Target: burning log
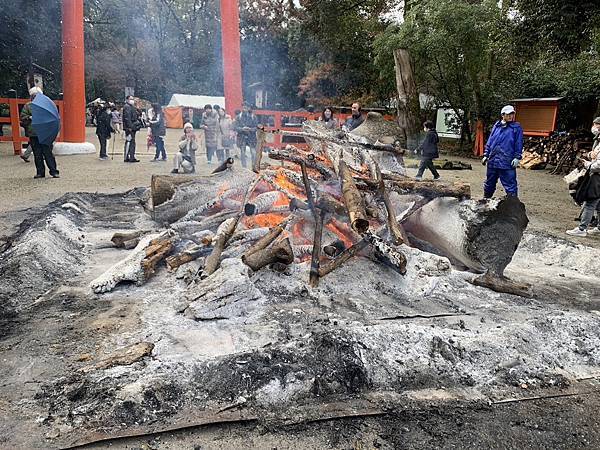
x=185 y=199
x=315 y=261
x=280 y=252
x=353 y=200
x=395 y=228
x=336 y=140
x=268 y=238
x=224 y=233
x=228 y=163
x=263 y=203
x=312 y=163
x=343 y=257
x=386 y=253
x=328 y=203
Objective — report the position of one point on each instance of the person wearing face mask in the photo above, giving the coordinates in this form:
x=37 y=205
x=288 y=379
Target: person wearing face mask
x=356 y=119
x=131 y=125
x=502 y=155
x=589 y=191
x=328 y=120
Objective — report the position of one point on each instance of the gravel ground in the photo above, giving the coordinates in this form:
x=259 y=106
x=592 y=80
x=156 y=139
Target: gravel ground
x=548 y=203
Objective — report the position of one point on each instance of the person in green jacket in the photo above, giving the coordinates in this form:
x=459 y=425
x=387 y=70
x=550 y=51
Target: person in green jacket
x=42 y=153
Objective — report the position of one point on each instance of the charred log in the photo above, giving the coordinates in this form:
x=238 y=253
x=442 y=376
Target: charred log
x=293 y=157
x=268 y=238
x=343 y=257
x=386 y=253
x=280 y=252
x=223 y=235
x=353 y=200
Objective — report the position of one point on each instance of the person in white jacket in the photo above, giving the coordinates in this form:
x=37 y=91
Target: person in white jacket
x=592 y=191
x=184 y=161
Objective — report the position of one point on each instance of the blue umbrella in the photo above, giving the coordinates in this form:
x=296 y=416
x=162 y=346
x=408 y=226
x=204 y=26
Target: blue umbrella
x=45 y=119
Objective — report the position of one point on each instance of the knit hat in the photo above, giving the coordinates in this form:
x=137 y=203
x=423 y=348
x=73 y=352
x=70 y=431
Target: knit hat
x=188 y=125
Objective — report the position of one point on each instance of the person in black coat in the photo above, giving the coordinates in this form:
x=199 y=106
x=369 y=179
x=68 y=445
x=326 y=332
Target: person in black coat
x=103 y=129
x=131 y=125
x=429 y=151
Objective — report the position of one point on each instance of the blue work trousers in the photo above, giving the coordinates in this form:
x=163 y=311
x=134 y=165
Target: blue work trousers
x=508 y=178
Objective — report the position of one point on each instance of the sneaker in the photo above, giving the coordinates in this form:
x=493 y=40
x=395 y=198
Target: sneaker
x=39 y=176
x=437 y=178
x=594 y=231
x=55 y=175
x=103 y=158
x=577 y=232
x=134 y=160
x=24 y=158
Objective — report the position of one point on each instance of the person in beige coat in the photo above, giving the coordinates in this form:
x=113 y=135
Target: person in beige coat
x=184 y=160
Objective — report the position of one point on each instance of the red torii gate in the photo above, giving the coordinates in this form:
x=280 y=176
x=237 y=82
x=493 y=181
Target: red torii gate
x=73 y=64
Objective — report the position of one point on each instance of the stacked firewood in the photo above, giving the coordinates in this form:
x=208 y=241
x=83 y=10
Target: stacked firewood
x=559 y=153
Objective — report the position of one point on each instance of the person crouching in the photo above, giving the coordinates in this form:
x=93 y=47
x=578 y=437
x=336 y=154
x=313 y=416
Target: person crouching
x=184 y=160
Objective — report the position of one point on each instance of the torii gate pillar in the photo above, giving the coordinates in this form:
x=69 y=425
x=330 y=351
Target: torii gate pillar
x=73 y=80
x=232 y=61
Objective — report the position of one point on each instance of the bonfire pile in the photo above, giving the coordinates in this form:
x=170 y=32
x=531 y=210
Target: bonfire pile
x=325 y=205
x=559 y=152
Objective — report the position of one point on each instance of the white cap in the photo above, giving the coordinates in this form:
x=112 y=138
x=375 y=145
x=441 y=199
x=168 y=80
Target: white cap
x=508 y=109
x=35 y=90
x=188 y=125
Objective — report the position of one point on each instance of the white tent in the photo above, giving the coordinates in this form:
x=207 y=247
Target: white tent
x=196 y=101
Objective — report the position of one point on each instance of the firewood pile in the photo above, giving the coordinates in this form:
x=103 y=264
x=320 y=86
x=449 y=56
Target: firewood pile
x=557 y=153
x=321 y=207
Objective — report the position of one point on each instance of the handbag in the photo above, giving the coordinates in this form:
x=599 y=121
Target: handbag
x=588 y=188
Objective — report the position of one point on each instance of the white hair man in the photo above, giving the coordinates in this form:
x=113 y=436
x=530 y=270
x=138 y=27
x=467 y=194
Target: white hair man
x=42 y=153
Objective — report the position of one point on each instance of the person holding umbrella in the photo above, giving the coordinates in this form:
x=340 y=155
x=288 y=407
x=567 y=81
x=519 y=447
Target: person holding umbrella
x=41 y=121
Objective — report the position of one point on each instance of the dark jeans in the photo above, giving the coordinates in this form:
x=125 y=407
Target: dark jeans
x=129 y=152
x=102 y=146
x=589 y=206
x=427 y=163
x=43 y=153
x=160 y=147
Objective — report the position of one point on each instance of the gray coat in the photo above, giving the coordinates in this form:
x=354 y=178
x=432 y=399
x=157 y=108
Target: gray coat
x=210 y=122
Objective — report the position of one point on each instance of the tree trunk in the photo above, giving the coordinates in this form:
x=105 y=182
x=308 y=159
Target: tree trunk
x=409 y=109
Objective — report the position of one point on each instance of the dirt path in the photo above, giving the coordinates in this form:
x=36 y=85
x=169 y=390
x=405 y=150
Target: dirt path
x=549 y=207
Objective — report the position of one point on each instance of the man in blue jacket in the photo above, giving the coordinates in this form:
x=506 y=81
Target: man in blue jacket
x=503 y=153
